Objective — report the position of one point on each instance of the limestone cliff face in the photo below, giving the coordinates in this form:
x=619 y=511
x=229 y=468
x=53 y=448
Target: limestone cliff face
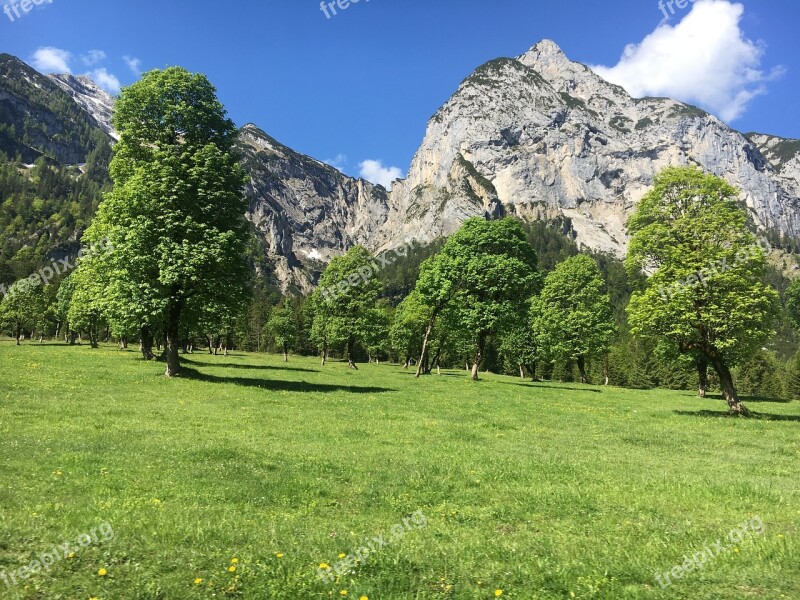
x=305 y=211
x=537 y=136
x=90 y=97
x=38 y=118
x=540 y=135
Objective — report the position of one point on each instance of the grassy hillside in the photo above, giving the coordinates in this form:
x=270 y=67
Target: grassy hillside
x=539 y=490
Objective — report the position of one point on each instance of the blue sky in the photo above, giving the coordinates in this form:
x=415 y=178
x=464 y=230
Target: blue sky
x=361 y=85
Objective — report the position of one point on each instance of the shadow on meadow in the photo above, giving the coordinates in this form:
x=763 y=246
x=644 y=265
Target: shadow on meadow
x=539 y=385
x=247 y=367
x=745 y=399
x=281 y=386
x=755 y=416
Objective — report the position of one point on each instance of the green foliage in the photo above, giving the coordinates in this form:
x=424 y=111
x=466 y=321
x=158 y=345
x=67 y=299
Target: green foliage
x=792 y=301
x=793 y=379
x=762 y=376
x=41 y=210
x=495 y=272
x=23 y=308
x=400 y=277
x=344 y=300
x=705 y=294
x=573 y=314
x=376 y=335
x=175 y=217
x=520 y=345
x=282 y=327
x=487 y=269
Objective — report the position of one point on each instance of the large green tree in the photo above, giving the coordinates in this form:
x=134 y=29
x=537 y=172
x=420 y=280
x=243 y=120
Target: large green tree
x=792 y=302
x=283 y=328
x=520 y=344
x=573 y=318
x=22 y=307
x=408 y=327
x=344 y=302
x=489 y=269
x=705 y=295
x=175 y=218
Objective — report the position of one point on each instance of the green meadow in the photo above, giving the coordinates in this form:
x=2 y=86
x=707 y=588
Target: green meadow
x=241 y=478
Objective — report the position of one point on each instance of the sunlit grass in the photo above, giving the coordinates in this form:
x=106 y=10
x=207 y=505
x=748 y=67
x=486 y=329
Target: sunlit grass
x=539 y=490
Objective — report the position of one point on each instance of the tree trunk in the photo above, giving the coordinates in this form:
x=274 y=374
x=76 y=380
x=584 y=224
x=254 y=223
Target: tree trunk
x=728 y=388
x=702 y=373
x=93 y=334
x=146 y=343
x=324 y=353
x=407 y=363
x=478 y=354
x=350 y=348
x=173 y=343
x=285 y=353
x=582 y=369
x=19 y=333
x=210 y=344
x=521 y=371
x=533 y=371
x=424 y=352
x=606 y=370
x=437 y=358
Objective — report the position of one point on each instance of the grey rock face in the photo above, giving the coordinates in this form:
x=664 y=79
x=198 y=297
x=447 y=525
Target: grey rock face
x=537 y=136
x=305 y=211
x=542 y=136
x=91 y=97
x=38 y=118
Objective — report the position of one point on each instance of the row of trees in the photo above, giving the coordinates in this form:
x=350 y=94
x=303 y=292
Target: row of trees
x=176 y=269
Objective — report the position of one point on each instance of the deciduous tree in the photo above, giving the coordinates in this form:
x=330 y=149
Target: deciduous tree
x=705 y=296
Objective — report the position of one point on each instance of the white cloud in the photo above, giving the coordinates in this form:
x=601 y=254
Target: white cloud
x=105 y=80
x=93 y=57
x=134 y=64
x=340 y=162
x=374 y=171
x=52 y=60
x=705 y=59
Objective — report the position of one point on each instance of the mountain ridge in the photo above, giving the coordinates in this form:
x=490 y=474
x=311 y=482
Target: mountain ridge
x=537 y=136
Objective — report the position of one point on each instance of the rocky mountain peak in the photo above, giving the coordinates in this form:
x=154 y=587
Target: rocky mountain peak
x=545 y=51
x=91 y=97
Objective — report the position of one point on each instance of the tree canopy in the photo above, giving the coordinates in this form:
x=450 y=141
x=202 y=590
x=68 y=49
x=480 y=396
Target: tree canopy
x=704 y=296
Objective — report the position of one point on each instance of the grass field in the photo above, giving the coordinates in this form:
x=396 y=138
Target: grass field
x=539 y=490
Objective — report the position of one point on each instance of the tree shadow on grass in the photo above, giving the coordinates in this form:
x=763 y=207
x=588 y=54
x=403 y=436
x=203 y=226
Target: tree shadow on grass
x=282 y=386
x=539 y=385
x=751 y=399
x=247 y=367
x=754 y=416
